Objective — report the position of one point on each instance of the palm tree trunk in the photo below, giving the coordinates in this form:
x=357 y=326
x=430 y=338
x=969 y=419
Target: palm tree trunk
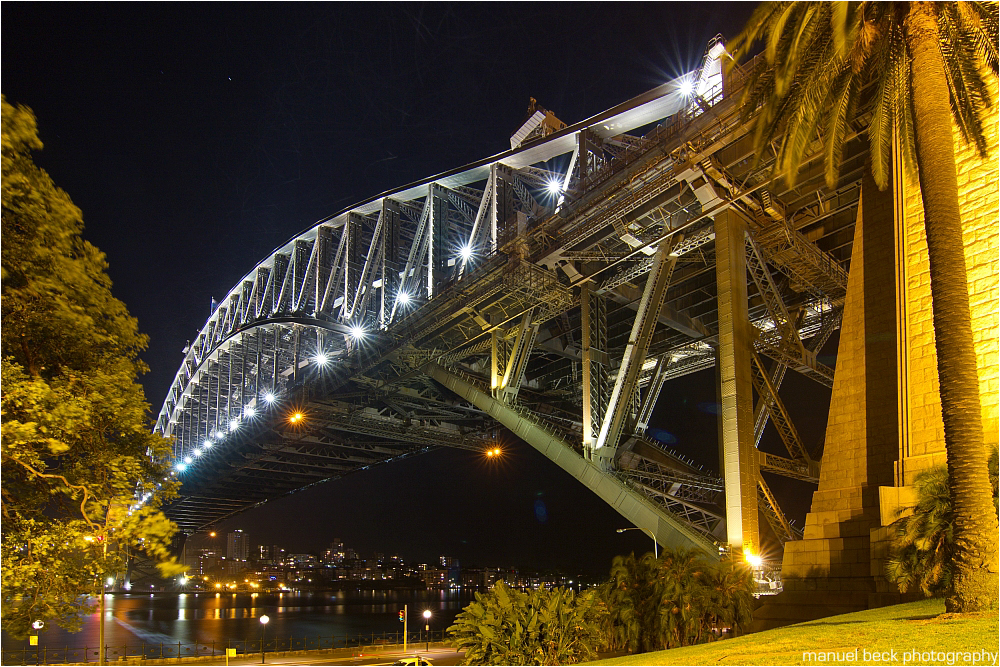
x=974 y=581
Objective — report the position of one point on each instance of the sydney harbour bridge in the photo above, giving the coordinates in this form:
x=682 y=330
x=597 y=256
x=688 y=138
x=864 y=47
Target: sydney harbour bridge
x=551 y=290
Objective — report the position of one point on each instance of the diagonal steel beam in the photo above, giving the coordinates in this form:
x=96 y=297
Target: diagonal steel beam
x=635 y=351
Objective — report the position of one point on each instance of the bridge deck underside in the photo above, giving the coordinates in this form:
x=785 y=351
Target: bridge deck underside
x=340 y=323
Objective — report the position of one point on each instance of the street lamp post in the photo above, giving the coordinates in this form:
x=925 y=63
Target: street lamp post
x=427 y=628
x=656 y=553
x=263 y=625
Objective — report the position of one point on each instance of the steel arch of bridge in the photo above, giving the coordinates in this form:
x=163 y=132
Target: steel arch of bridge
x=553 y=301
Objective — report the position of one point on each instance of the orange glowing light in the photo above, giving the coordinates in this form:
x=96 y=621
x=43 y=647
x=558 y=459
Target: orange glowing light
x=296 y=418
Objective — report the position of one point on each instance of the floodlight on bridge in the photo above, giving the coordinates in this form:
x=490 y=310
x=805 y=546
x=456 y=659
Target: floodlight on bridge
x=196 y=452
x=686 y=87
x=188 y=460
x=466 y=252
x=296 y=418
x=321 y=359
x=753 y=560
x=207 y=443
x=554 y=187
x=269 y=398
x=249 y=412
x=234 y=424
x=357 y=333
x=180 y=467
x=403 y=298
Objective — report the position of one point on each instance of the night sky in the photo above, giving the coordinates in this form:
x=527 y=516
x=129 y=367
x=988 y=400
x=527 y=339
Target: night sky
x=197 y=138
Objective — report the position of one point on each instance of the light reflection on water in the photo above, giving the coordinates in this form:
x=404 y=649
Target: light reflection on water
x=134 y=619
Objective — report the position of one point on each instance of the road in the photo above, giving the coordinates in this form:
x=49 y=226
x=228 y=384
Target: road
x=438 y=655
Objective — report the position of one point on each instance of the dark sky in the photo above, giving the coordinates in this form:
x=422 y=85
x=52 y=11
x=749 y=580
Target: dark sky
x=197 y=138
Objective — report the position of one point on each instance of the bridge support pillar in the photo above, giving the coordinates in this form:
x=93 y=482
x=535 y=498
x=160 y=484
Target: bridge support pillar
x=736 y=387
x=832 y=570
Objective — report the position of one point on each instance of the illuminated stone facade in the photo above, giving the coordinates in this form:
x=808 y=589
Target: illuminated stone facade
x=885 y=422
x=922 y=442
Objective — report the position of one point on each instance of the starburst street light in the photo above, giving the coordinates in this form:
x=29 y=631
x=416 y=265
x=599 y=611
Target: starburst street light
x=269 y=397
x=466 y=252
x=554 y=187
x=686 y=87
x=357 y=332
x=321 y=358
x=403 y=298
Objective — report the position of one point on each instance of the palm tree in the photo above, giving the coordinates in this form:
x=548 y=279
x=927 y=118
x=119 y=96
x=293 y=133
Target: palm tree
x=922 y=543
x=729 y=600
x=621 y=593
x=820 y=58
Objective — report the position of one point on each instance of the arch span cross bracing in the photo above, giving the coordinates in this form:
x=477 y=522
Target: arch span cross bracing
x=551 y=290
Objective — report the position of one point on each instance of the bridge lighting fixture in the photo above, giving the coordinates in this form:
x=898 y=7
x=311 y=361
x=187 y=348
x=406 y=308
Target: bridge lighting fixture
x=269 y=397
x=180 y=467
x=249 y=412
x=207 y=443
x=321 y=359
x=110 y=580
x=357 y=333
x=553 y=187
x=403 y=298
x=187 y=460
x=296 y=418
x=234 y=424
x=686 y=88
x=196 y=452
x=492 y=453
x=465 y=252
x=753 y=560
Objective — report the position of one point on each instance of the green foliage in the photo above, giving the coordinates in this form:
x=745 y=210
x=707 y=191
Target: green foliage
x=76 y=449
x=921 y=549
x=820 y=58
x=541 y=627
x=674 y=600
x=922 y=544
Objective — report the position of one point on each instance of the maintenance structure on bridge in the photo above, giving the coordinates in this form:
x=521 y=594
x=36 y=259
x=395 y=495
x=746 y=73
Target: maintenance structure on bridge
x=551 y=290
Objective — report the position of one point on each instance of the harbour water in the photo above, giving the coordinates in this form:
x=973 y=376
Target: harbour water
x=165 y=618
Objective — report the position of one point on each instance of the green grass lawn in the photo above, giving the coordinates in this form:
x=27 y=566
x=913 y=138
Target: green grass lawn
x=910 y=630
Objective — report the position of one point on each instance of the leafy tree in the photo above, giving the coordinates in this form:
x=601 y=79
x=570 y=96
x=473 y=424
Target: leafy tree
x=77 y=452
x=541 y=627
x=925 y=64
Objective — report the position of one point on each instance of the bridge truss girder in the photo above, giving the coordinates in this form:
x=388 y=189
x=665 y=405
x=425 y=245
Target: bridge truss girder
x=571 y=311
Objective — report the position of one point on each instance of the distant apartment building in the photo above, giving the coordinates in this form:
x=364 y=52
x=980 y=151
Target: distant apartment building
x=205 y=560
x=299 y=560
x=237 y=546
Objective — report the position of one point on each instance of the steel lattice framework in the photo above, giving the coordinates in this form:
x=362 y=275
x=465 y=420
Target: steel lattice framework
x=552 y=302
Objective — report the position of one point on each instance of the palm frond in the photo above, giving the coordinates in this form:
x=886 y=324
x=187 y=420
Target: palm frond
x=842 y=94
x=888 y=66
